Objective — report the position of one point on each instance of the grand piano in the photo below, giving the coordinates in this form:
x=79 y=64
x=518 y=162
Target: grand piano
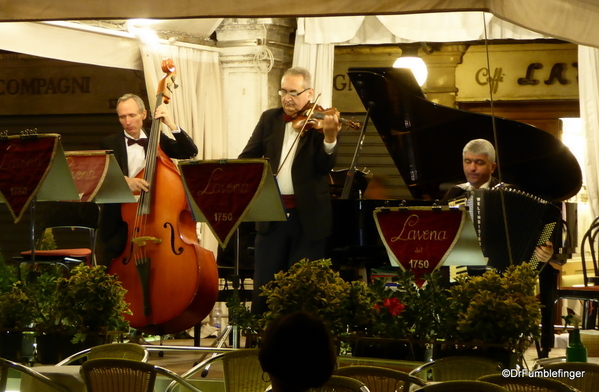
x=425 y=141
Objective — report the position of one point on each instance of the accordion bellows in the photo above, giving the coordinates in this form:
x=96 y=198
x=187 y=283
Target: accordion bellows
x=504 y=213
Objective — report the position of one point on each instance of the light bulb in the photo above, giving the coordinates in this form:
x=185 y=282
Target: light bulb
x=416 y=65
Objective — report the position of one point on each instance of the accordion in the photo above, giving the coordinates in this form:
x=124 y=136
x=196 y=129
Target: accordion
x=502 y=213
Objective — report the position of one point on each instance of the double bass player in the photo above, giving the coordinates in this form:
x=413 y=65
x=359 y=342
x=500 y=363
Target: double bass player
x=171 y=281
x=129 y=148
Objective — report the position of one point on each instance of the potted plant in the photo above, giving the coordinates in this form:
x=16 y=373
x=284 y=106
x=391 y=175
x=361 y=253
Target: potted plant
x=53 y=335
x=311 y=286
x=68 y=309
x=92 y=302
x=314 y=287
x=494 y=313
x=410 y=313
x=15 y=315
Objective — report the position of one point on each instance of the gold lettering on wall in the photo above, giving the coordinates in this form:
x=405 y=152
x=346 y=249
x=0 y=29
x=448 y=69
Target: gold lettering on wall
x=32 y=85
x=38 y=86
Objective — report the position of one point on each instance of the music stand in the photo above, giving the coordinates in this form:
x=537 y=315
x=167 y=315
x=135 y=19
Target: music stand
x=33 y=168
x=422 y=239
x=224 y=193
x=98 y=177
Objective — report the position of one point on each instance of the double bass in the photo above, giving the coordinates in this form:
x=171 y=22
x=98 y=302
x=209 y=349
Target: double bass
x=171 y=281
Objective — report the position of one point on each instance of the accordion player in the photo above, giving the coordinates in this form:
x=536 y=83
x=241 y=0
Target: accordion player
x=504 y=213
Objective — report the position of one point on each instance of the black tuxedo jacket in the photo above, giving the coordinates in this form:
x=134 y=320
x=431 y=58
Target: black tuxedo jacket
x=455 y=191
x=310 y=171
x=113 y=230
x=182 y=147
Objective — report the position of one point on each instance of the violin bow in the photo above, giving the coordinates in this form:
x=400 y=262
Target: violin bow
x=299 y=134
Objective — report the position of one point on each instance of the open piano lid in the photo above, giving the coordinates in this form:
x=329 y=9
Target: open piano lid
x=426 y=140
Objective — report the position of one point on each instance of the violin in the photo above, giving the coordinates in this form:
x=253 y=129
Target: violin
x=312 y=116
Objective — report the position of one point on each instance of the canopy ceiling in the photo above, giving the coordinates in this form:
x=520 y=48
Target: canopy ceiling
x=572 y=20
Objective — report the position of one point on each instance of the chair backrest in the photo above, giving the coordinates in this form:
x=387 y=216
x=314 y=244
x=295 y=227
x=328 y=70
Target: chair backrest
x=589 y=239
x=457 y=368
x=528 y=384
x=124 y=375
x=132 y=351
x=242 y=371
x=380 y=379
x=342 y=384
x=73 y=224
x=582 y=376
x=6 y=365
x=463 y=386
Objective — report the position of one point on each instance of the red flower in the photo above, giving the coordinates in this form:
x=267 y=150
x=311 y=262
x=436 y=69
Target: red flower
x=394 y=306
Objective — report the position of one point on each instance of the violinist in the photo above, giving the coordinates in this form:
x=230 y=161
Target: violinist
x=129 y=148
x=301 y=164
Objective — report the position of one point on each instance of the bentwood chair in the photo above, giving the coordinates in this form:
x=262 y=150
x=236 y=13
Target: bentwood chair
x=132 y=351
x=588 y=382
x=125 y=375
x=380 y=379
x=242 y=371
x=528 y=383
x=462 y=386
x=6 y=366
x=590 y=290
x=73 y=226
x=457 y=368
x=342 y=384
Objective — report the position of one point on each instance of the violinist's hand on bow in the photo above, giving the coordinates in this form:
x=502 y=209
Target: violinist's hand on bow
x=331 y=127
x=162 y=113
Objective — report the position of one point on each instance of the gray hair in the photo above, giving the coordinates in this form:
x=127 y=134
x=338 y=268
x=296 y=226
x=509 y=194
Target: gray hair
x=480 y=147
x=300 y=71
x=134 y=97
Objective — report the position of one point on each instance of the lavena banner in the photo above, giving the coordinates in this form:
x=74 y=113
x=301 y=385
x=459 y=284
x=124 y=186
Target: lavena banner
x=419 y=239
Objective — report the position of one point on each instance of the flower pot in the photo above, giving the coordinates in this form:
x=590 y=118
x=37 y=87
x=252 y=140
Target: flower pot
x=10 y=345
x=496 y=352
x=389 y=349
x=53 y=348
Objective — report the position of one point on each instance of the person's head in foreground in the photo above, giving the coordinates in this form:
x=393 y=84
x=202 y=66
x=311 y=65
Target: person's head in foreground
x=297 y=352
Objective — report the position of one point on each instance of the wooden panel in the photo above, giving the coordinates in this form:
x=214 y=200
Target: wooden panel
x=542 y=114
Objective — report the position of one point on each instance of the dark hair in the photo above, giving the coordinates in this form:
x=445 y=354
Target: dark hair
x=298 y=350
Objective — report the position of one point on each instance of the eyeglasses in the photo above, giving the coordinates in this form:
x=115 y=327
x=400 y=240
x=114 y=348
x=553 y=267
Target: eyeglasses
x=294 y=94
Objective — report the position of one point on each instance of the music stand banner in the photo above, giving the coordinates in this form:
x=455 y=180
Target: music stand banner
x=25 y=161
x=221 y=192
x=89 y=171
x=419 y=238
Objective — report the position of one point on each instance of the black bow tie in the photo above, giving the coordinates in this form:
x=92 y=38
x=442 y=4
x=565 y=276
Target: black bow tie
x=287 y=118
x=142 y=142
